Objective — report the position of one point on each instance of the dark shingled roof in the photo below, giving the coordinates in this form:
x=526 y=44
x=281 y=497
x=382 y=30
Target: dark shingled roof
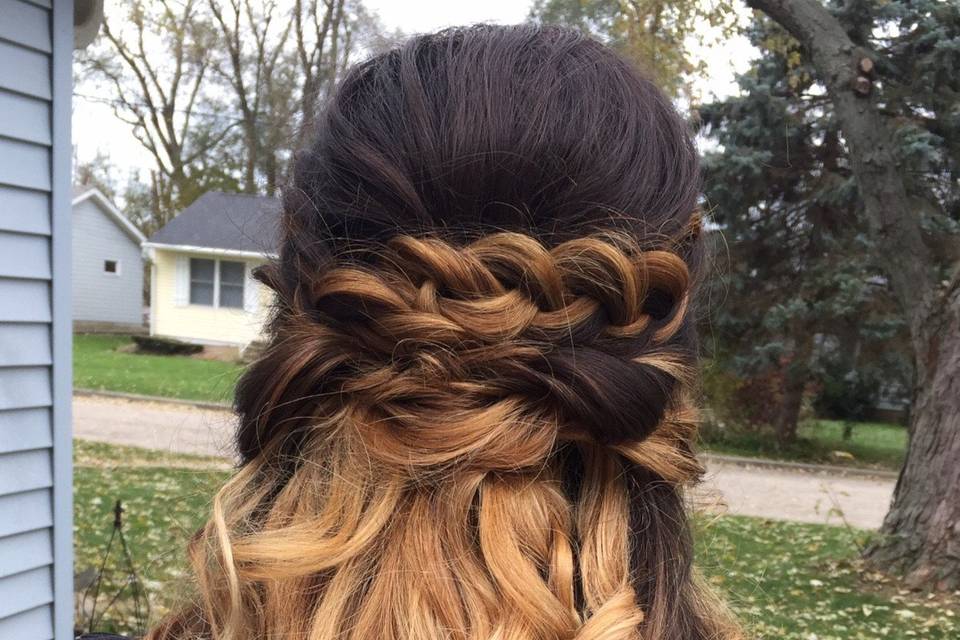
x=233 y=221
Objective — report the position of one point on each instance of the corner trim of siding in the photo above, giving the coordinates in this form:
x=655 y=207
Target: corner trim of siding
x=62 y=19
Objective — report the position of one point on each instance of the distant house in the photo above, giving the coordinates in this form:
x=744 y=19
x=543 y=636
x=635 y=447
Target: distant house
x=107 y=266
x=201 y=264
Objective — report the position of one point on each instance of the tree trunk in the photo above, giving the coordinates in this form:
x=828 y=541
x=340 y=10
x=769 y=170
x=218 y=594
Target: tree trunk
x=848 y=426
x=252 y=144
x=795 y=377
x=308 y=104
x=271 y=170
x=922 y=528
x=923 y=524
x=788 y=416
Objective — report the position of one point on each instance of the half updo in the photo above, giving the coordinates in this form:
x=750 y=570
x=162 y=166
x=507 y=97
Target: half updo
x=473 y=417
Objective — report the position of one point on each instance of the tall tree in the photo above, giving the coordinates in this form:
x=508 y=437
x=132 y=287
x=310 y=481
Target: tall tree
x=327 y=36
x=661 y=35
x=280 y=120
x=277 y=65
x=97 y=172
x=323 y=34
x=133 y=196
x=136 y=200
x=253 y=48
x=801 y=284
x=154 y=60
x=922 y=529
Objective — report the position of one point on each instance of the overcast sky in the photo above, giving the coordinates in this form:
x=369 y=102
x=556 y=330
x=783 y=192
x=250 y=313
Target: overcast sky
x=95 y=128
x=421 y=16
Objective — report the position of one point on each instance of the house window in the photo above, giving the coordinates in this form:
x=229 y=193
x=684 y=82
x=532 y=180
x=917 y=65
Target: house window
x=111 y=266
x=217 y=283
x=231 y=284
x=202 y=281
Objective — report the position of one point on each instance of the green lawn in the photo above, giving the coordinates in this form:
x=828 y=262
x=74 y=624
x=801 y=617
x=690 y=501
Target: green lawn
x=97 y=364
x=786 y=581
x=874 y=444
x=165 y=497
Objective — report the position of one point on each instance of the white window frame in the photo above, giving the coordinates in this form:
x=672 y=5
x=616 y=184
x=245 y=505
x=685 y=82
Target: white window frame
x=116 y=272
x=216 y=284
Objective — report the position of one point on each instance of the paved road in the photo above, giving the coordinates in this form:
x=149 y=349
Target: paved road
x=801 y=496
x=796 y=495
x=167 y=427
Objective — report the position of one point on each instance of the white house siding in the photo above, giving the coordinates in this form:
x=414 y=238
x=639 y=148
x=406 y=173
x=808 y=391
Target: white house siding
x=172 y=316
x=99 y=296
x=35 y=472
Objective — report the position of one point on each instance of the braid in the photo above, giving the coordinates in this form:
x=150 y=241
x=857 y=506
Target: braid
x=433 y=340
x=457 y=376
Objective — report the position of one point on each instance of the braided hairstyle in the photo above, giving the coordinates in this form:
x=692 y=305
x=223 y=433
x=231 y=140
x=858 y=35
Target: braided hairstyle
x=473 y=417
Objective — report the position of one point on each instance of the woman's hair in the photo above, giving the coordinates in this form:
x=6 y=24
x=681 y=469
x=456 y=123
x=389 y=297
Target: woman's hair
x=473 y=418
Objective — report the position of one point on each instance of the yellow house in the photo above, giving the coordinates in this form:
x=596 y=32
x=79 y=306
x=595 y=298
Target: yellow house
x=202 y=288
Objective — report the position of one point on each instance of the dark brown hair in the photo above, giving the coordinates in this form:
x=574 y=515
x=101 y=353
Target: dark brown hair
x=473 y=417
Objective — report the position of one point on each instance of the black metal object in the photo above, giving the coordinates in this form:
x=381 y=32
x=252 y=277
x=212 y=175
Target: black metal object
x=131 y=580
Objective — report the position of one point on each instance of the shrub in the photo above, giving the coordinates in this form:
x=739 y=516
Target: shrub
x=741 y=402
x=165 y=346
x=846 y=395
x=744 y=404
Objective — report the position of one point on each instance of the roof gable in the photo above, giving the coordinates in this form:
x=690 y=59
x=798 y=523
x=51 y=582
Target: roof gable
x=82 y=194
x=225 y=221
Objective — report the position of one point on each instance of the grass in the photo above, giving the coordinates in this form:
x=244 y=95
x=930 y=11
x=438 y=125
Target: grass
x=806 y=582
x=873 y=444
x=98 y=364
x=165 y=497
x=785 y=581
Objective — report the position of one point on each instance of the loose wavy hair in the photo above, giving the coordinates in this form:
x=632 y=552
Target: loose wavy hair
x=473 y=419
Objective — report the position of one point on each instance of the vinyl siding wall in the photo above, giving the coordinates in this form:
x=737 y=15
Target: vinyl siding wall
x=36 y=566
x=200 y=323
x=99 y=296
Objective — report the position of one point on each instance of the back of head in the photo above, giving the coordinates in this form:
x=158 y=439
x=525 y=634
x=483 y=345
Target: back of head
x=472 y=419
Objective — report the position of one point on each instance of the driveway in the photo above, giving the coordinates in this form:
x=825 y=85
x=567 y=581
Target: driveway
x=787 y=494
